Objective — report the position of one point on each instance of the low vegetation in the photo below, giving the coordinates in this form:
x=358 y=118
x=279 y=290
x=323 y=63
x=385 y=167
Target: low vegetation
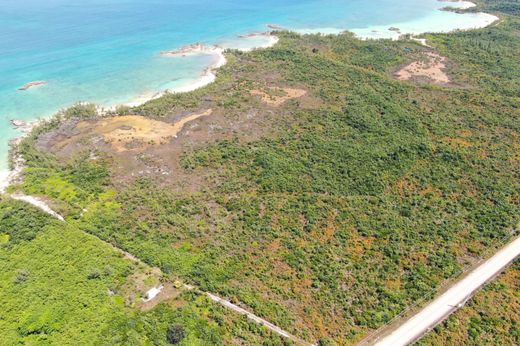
x=49 y=295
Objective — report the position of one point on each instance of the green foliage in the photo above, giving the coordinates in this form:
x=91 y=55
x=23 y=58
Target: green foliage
x=175 y=334
x=20 y=221
x=189 y=320
x=82 y=110
x=21 y=276
x=76 y=184
x=46 y=296
x=511 y=7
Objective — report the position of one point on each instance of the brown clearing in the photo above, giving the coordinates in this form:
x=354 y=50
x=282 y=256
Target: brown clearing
x=464 y=133
x=144 y=146
x=431 y=68
x=456 y=142
x=138 y=283
x=276 y=95
x=122 y=130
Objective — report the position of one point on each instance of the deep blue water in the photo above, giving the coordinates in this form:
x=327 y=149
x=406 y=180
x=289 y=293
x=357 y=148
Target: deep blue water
x=107 y=51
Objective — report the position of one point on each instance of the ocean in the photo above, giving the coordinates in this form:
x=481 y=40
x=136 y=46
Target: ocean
x=108 y=51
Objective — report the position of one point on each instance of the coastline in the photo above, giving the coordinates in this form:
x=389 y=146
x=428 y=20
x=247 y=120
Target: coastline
x=208 y=76
x=11 y=175
x=431 y=24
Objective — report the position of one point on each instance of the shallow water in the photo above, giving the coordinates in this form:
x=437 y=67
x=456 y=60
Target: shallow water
x=107 y=51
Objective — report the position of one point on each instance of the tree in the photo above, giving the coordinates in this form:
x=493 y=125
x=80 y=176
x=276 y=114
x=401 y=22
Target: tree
x=175 y=334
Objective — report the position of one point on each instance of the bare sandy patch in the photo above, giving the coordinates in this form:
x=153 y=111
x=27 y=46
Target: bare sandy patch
x=123 y=130
x=431 y=67
x=167 y=292
x=276 y=96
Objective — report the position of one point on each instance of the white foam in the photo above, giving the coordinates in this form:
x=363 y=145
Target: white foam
x=462 y=5
x=439 y=21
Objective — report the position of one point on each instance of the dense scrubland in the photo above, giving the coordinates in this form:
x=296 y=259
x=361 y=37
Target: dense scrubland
x=352 y=207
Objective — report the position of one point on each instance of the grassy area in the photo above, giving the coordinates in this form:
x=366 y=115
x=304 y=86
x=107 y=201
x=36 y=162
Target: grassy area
x=356 y=204
x=54 y=280
x=61 y=286
x=489 y=318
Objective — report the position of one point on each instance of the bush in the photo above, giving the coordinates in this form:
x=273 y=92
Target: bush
x=21 y=276
x=94 y=274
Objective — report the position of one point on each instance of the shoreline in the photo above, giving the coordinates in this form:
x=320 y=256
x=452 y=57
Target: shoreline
x=208 y=75
x=9 y=176
x=394 y=31
x=17 y=162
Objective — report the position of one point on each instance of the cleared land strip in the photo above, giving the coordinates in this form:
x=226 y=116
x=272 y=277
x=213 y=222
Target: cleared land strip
x=453 y=299
x=38 y=204
x=46 y=208
x=257 y=319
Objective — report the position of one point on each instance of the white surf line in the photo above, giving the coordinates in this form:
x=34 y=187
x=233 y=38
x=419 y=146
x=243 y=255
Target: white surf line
x=453 y=299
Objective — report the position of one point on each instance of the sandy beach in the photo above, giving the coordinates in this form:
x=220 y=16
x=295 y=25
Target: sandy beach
x=209 y=74
x=461 y=5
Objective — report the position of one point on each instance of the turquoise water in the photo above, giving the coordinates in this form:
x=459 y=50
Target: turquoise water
x=107 y=51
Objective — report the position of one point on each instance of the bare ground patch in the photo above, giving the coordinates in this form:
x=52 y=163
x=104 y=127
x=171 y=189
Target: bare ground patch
x=139 y=146
x=276 y=96
x=123 y=131
x=136 y=285
x=431 y=68
x=168 y=292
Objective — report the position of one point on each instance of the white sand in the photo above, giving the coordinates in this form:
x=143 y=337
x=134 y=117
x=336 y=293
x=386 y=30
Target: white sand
x=206 y=78
x=458 y=4
x=39 y=204
x=439 y=21
x=209 y=75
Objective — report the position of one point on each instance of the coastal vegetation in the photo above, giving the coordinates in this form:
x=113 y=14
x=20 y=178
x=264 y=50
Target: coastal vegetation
x=335 y=210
